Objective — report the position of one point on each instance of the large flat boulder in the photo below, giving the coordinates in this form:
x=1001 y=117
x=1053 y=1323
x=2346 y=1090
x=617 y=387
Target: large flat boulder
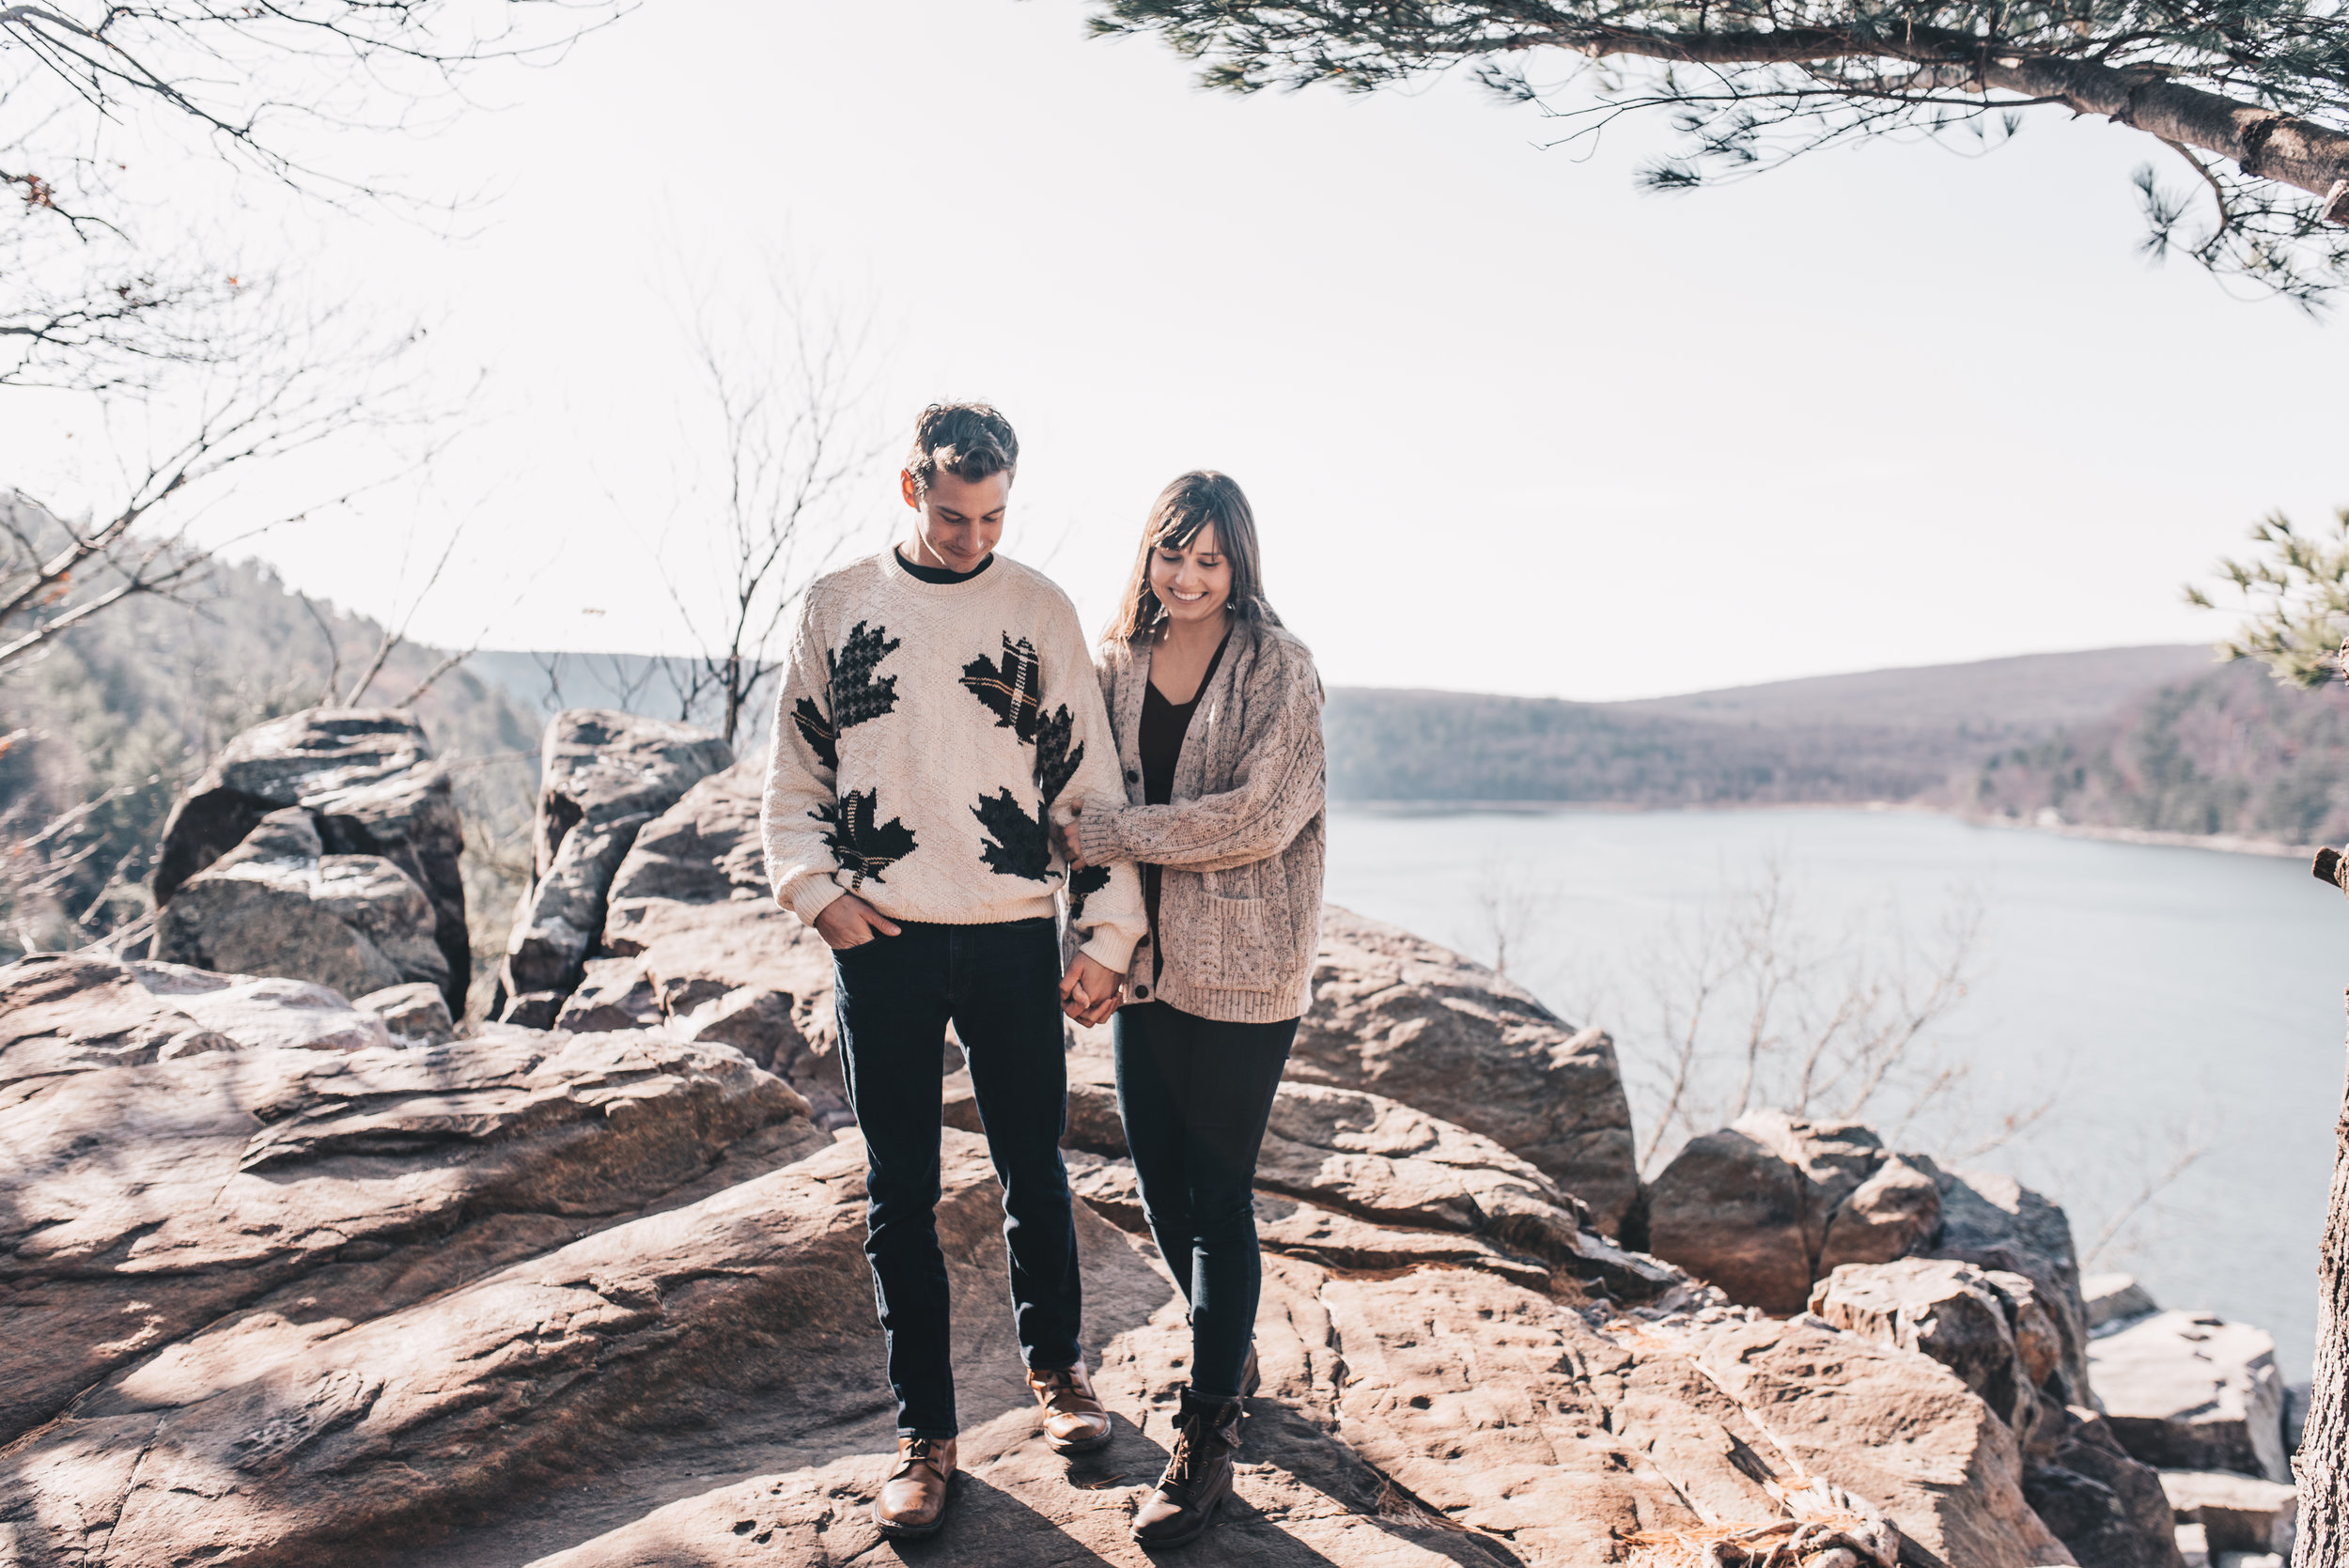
x=2238 y=1512
x=602 y=775
x=66 y=1012
x=694 y=942
x=366 y=779
x=1438 y=1415
x=278 y=903
x=2192 y=1391
x=1416 y=1022
x=142 y=1203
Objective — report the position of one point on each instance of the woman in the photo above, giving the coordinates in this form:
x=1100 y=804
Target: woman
x=1217 y=709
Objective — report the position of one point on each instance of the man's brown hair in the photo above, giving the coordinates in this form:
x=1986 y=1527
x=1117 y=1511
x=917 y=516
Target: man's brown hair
x=969 y=441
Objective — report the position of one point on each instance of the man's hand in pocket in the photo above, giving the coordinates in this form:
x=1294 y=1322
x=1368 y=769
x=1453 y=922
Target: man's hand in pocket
x=849 y=922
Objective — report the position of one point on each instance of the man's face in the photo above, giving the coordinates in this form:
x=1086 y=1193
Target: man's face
x=957 y=522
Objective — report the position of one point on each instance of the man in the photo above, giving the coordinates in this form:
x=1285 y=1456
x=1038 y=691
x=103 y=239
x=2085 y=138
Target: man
x=939 y=702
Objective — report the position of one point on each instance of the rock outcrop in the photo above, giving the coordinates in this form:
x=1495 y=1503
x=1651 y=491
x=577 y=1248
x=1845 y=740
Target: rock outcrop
x=2192 y=1391
x=143 y=1203
x=520 y=1298
x=694 y=942
x=66 y=1012
x=366 y=780
x=2238 y=1512
x=278 y=903
x=1990 y=1329
x=1768 y=1207
x=1415 y=1022
x=602 y=775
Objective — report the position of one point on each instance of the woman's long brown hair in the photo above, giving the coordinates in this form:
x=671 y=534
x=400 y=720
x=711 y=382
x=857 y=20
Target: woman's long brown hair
x=1195 y=500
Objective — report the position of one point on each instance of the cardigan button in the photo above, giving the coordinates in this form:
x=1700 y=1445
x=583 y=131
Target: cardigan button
x=1142 y=993
x=1133 y=775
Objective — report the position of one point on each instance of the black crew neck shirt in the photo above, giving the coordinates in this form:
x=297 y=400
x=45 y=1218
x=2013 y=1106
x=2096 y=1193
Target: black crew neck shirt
x=1160 y=743
x=940 y=574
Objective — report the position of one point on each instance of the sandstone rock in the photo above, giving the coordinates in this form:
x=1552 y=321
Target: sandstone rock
x=278 y=905
x=1995 y=1222
x=139 y=1204
x=1426 y=1417
x=2192 y=1391
x=2110 y=1299
x=1412 y=1021
x=2107 y=1507
x=367 y=781
x=417 y=1013
x=1895 y=1211
x=2238 y=1512
x=1731 y=1210
x=693 y=940
x=70 y=1013
x=1987 y=1328
x=602 y=775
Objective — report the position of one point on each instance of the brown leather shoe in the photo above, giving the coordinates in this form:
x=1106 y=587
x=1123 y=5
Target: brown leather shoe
x=1198 y=1475
x=913 y=1501
x=1074 y=1420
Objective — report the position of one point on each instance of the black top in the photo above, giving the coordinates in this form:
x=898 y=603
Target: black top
x=940 y=574
x=1160 y=743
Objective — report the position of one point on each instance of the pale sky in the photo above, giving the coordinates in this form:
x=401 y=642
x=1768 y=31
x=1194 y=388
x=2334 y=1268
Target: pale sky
x=1508 y=424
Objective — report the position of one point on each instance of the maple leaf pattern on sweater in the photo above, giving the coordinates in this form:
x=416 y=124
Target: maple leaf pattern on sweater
x=860 y=846
x=1082 y=885
x=1056 y=761
x=814 y=729
x=1012 y=690
x=856 y=696
x=1019 y=845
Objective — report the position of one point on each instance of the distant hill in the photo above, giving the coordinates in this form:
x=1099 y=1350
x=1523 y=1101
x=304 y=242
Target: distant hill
x=2154 y=738
x=1886 y=735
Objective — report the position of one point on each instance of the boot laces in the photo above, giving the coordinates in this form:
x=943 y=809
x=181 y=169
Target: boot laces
x=1195 y=1442
x=919 y=1450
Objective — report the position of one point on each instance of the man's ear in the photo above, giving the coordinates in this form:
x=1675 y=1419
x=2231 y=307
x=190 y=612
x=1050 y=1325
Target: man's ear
x=906 y=488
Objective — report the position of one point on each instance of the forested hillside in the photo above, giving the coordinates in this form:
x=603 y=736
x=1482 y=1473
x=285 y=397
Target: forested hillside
x=2231 y=752
x=2154 y=738
x=1886 y=735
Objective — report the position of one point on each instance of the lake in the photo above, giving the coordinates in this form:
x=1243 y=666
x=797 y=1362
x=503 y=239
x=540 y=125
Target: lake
x=2162 y=1000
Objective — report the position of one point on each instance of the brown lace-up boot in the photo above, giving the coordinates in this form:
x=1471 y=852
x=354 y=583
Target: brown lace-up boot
x=1074 y=1420
x=1198 y=1477
x=913 y=1500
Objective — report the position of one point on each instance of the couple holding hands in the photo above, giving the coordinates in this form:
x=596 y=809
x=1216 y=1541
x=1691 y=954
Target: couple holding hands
x=953 y=772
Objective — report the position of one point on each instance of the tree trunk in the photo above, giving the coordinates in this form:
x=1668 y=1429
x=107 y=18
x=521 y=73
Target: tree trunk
x=2321 y=1466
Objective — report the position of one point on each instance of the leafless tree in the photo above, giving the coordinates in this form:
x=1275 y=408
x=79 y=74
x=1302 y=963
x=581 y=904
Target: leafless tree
x=56 y=573
x=1513 y=909
x=1754 y=1004
x=110 y=285
x=785 y=383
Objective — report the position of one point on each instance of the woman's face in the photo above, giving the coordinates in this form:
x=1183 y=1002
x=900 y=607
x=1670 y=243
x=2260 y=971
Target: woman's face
x=1193 y=581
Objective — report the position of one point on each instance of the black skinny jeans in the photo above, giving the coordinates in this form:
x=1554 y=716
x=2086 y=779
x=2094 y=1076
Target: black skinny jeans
x=999 y=985
x=1194 y=1095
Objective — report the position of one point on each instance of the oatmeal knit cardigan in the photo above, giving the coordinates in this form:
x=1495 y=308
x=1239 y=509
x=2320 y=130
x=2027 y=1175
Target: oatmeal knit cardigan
x=1242 y=843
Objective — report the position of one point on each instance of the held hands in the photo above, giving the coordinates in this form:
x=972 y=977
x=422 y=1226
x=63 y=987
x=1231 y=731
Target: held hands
x=1089 y=992
x=849 y=922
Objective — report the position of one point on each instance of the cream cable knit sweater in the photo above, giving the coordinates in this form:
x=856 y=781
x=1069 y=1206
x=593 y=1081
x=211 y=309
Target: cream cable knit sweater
x=1240 y=899
x=923 y=733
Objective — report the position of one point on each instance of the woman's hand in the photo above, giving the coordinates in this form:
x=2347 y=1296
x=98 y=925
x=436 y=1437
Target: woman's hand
x=1072 y=838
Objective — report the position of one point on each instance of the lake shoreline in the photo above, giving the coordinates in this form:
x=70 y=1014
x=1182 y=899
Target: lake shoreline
x=2224 y=843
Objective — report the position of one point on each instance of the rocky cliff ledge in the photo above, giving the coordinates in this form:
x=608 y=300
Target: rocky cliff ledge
x=292 y=1278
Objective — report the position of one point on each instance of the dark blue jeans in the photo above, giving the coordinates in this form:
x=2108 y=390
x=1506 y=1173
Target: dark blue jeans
x=1194 y=1095
x=999 y=985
